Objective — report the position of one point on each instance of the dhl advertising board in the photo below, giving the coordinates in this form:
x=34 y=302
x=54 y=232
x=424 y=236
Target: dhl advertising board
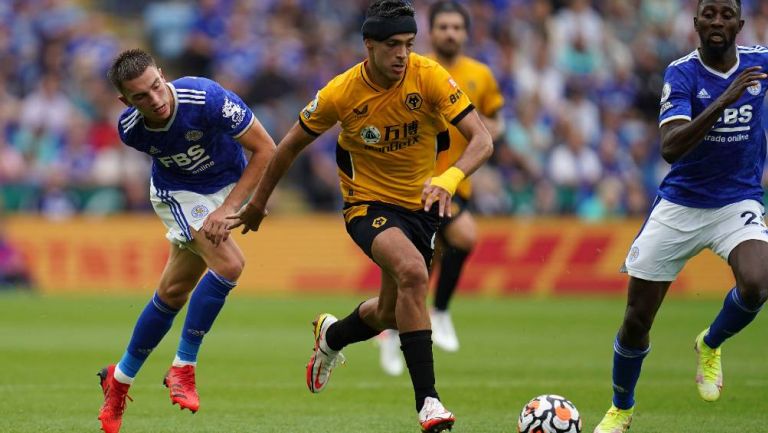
x=314 y=254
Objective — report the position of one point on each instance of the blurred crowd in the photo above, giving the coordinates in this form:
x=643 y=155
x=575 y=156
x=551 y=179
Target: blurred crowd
x=581 y=78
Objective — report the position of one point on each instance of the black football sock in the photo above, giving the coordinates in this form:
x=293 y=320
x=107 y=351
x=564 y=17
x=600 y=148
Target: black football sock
x=348 y=330
x=417 y=350
x=450 y=269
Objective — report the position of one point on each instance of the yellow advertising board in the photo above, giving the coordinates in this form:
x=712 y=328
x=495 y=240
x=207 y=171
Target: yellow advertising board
x=313 y=253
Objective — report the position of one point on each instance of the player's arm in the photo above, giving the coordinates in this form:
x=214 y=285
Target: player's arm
x=494 y=124
x=479 y=149
x=250 y=215
x=256 y=140
x=490 y=106
x=678 y=137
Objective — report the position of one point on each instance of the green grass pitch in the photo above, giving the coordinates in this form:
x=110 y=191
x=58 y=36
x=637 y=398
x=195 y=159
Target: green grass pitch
x=251 y=370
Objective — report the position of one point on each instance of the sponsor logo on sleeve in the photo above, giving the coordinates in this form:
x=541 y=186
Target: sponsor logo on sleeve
x=234 y=111
x=309 y=109
x=665 y=92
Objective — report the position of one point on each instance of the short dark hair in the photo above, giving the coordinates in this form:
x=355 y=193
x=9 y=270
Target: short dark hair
x=128 y=65
x=738 y=4
x=390 y=9
x=445 y=6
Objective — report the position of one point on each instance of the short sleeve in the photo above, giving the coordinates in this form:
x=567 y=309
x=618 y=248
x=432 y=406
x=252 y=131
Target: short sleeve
x=227 y=112
x=320 y=114
x=448 y=99
x=675 y=97
x=492 y=99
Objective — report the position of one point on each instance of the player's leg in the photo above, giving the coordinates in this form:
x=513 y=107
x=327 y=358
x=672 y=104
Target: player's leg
x=399 y=257
x=656 y=257
x=743 y=302
x=630 y=348
x=225 y=263
x=740 y=307
x=458 y=239
x=390 y=355
x=739 y=237
x=182 y=271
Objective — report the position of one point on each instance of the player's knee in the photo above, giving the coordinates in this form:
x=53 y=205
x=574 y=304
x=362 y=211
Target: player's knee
x=636 y=326
x=413 y=277
x=753 y=293
x=465 y=241
x=231 y=269
x=174 y=295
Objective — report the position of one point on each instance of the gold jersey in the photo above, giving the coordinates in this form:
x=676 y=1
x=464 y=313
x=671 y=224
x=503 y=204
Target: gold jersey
x=388 y=142
x=476 y=80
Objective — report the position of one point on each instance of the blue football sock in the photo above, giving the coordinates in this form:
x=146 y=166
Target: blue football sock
x=733 y=317
x=626 y=371
x=152 y=325
x=204 y=306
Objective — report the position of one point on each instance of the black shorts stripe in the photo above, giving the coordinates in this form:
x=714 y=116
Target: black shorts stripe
x=461 y=115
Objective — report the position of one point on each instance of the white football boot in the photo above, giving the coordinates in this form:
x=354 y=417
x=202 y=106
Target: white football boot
x=390 y=355
x=443 y=332
x=323 y=359
x=434 y=418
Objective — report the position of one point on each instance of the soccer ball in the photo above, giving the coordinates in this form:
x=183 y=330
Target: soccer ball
x=549 y=414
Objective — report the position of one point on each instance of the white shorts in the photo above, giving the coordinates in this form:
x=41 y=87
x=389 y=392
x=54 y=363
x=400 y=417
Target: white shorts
x=182 y=210
x=672 y=234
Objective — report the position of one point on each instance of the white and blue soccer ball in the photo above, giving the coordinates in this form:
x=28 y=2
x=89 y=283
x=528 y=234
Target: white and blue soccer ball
x=549 y=413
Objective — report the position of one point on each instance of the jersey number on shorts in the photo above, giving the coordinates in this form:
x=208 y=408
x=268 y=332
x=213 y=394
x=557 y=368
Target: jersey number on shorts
x=751 y=217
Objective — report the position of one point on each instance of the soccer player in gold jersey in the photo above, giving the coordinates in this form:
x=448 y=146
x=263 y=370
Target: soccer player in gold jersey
x=394 y=109
x=449 y=23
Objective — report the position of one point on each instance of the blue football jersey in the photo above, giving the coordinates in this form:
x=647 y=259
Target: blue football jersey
x=727 y=166
x=196 y=151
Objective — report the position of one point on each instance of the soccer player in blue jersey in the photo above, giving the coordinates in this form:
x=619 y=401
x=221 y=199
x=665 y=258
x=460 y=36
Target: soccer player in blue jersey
x=195 y=131
x=710 y=120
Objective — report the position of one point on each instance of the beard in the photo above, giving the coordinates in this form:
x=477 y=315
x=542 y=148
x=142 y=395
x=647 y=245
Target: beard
x=718 y=49
x=447 y=50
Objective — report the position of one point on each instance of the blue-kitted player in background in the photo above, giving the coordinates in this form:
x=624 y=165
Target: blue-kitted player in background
x=195 y=132
x=710 y=121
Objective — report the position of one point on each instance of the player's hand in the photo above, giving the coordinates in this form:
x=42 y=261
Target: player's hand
x=748 y=78
x=249 y=216
x=215 y=226
x=432 y=194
